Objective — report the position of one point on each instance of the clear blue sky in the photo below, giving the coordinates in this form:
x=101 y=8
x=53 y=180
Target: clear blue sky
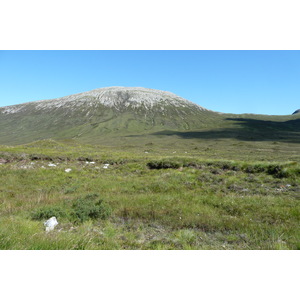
x=261 y=82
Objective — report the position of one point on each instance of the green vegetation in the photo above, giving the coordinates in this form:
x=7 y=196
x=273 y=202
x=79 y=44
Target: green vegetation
x=90 y=207
x=88 y=120
x=210 y=194
x=82 y=209
x=137 y=176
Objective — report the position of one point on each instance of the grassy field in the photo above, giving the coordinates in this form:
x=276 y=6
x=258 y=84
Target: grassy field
x=182 y=194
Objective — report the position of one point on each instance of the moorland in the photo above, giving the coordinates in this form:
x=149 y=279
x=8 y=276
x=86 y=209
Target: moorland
x=135 y=168
x=182 y=193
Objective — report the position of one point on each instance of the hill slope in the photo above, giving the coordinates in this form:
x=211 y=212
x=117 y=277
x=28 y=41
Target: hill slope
x=114 y=114
x=106 y=111
x=296 y=112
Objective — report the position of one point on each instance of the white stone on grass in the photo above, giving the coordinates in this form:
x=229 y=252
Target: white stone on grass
x=50 y=224
x=68 y=170
x=51 y=165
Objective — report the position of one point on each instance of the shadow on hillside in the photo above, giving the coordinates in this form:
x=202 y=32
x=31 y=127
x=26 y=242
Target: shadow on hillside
x=246 y=129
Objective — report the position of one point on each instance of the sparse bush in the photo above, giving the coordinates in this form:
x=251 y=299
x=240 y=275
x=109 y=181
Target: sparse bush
x=192 y=165
x=277 y=171
x=81 y=158
x=82 y=209
x=70 y=190
x=90 y=207
x=115 y=161
x=254 y=169
x=48 y=212
x=163 y=165
x=40 y=157
x=186 y=236
x=216 y=171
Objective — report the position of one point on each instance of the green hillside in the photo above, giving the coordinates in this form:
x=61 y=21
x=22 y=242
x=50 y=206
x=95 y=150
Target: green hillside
x=133 y=116
x=89 y=119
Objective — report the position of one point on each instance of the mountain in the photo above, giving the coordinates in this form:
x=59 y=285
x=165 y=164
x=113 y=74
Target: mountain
x=105 y=111
x=128 y=114
x=296 y=112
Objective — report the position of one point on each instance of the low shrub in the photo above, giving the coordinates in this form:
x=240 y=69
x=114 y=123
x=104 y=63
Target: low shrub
x=48 y=212
x=90 y=207
x=40 y=157
x=82 y=209
x=115 y=161
x=277 y=171
x=81 y=158
x=163 y=165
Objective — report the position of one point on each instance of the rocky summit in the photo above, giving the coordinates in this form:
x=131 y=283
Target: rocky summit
x=119 y=98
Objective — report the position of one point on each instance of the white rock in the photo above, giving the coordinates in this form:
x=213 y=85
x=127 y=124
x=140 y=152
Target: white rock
x=50 y=224
x=51 y=165
x=105 y=166
x=68 y=170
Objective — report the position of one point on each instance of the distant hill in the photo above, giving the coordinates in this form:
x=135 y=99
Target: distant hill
x=110 y=113
x=296 y=112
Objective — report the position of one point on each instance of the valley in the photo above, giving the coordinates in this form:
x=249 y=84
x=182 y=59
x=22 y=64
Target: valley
x=164 y=173
x=170 y=197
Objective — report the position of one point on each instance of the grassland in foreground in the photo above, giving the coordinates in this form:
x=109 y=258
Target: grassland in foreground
x=209 y=196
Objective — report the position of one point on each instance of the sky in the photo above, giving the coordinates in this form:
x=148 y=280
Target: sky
x=258 y=82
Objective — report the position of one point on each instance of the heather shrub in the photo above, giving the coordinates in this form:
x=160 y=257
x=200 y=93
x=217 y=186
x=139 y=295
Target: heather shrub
x=90 y=207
